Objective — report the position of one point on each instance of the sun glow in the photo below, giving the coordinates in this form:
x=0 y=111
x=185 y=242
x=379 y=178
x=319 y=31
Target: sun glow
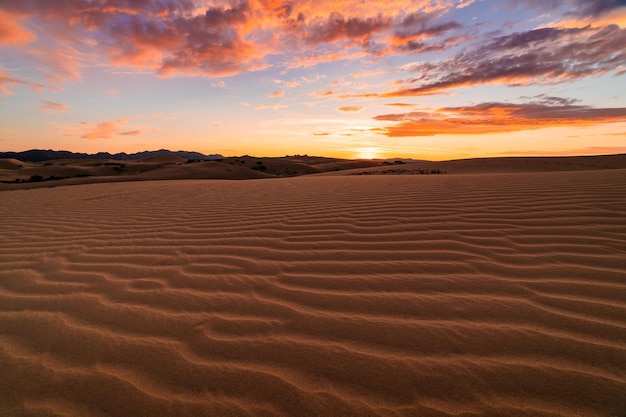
x=368 y=153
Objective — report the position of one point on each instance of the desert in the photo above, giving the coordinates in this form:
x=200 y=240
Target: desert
x=328 y=208
x=497 y=288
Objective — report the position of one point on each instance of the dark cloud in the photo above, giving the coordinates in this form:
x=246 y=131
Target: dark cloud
x=338 y=27
x=545 y=56
x=599 y=7
x=214 y=17
x=579 y=8
x=549 y=100
x=421 y=25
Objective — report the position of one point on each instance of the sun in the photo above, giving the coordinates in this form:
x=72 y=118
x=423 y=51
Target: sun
x=367 y=153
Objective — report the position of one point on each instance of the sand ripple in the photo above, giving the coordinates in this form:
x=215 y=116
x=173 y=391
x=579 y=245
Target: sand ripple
x=500 y=295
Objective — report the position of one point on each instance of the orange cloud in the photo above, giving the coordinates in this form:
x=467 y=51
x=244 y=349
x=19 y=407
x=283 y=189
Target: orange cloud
x=270 y=106
x=11 y=32
x=107 y=130
x=350 y=108
x=498 y=118
x=399 y=104
x=326 y=93
x=278 y=93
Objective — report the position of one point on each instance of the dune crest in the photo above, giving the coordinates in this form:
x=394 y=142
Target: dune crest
x=450 y=295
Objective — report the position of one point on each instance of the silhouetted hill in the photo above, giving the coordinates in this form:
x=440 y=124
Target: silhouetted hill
x=40 y=155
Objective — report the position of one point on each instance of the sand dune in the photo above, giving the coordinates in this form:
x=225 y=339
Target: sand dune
x=16 y=175
x=499 y=165
x=437 y=295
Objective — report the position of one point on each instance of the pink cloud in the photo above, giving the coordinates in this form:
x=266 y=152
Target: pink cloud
x=11 y=32
x=107 y=130
x=7 y=81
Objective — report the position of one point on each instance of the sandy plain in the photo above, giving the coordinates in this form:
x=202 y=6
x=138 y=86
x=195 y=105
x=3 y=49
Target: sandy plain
x=500 y=294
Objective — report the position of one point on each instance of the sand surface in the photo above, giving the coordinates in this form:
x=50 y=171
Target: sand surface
x=435 y=295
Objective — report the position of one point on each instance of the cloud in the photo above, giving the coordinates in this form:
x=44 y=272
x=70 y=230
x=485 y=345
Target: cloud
x=107 y=130
x=131 y=133
x=323 y=93
x=278 y=93
x=222 y=38
x=542 y=56
x=7 y=81
x=399 y=104
x=350 y=108
x=53 y=107
x=337 y=27
x=11 y=32
x=420 y=25
x=579 y=8
x=270 y=106
x=497 y=117
x=101 y=131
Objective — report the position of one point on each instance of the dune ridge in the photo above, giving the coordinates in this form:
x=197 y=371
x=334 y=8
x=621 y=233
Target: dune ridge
x=454 y=295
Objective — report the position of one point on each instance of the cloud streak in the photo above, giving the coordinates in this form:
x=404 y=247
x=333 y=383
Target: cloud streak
x=7 y=81
x=494 y=117
x=541 y=56
x=350 y=108
x=53 y=107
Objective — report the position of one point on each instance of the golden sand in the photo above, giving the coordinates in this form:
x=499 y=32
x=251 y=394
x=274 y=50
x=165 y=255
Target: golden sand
x=451 y=295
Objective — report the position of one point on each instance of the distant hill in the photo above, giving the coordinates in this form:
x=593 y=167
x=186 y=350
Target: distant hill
x=40 y=155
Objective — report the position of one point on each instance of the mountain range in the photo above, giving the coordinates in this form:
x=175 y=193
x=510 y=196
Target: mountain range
x=41 y=155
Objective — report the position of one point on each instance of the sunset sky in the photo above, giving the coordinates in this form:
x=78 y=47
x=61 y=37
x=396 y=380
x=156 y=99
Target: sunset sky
x=428 y=79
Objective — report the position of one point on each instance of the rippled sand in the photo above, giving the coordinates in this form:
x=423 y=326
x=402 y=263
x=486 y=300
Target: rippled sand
x=454 y=295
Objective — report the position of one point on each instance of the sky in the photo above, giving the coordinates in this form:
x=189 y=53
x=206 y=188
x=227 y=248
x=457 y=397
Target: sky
x=424 y=79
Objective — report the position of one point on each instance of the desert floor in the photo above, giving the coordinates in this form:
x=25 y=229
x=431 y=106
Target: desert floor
x=364 y=295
